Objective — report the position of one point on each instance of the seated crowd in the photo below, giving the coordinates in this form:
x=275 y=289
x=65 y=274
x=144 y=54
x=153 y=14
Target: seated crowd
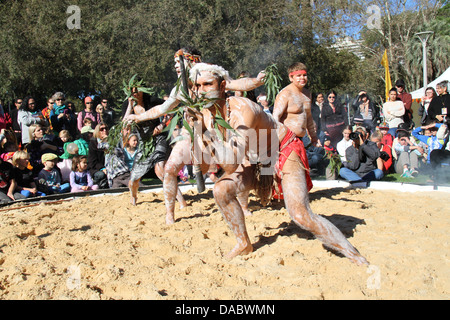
x=55 y=150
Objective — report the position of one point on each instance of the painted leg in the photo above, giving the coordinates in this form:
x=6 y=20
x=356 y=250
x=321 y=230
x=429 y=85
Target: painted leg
x=243 y=201
x=297 y=203
x=159 y=170
x=134 y=187
x=225 y=195
x=179 y=156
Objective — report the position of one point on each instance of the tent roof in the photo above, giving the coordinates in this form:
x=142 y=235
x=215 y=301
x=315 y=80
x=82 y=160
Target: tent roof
x=420 y=92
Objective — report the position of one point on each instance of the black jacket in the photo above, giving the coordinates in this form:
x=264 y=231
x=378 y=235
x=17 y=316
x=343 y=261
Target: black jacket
x=364 y=159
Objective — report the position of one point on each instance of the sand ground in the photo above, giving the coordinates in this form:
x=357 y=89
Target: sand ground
x=103 y=248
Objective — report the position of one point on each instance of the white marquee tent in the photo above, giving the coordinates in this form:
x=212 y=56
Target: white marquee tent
x=419 y=93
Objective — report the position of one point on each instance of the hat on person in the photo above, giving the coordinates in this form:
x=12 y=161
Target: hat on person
x=87 y=99
x=87 y=129
x=400 y=83
x=383 y=125
x=48 y=157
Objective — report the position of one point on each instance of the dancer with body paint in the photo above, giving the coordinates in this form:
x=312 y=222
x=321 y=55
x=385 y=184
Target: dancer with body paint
x=293 y=109
x=139 y=103
x=248 y=120
x=181 y=152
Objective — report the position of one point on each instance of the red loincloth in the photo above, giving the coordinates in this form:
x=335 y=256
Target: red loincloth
x=291 y=143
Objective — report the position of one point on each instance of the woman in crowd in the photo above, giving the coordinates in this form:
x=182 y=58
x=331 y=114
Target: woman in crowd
x=61 y=117
x=96 y=155
x=39 y=144
x=28 y=115
x=393 y=111
x=430 y=93
x=334 y=118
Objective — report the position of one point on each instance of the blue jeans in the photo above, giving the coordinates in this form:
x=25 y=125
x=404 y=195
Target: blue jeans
x=28 y=194
x=352 y=176
x=65 y=187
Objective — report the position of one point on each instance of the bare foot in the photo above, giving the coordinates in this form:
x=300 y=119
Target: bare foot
x=170 y=219
x=247 y=212
x=239 y=250
x=133 y=200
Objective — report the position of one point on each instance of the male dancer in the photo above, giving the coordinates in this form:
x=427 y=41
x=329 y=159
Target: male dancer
x=293 y=108
x=248 y=119
x=181 y=152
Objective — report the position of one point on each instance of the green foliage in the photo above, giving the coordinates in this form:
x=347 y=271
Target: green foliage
x=272 y=82
x=39 y=55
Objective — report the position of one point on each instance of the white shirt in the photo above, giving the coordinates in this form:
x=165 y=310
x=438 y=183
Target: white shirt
x=342 y=146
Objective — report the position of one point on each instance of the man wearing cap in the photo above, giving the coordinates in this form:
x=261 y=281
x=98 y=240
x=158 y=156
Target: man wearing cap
x=88 y=112
x=406 y=99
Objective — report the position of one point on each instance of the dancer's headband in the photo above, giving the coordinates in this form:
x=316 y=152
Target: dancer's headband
x=294 y=73
x=188 y=56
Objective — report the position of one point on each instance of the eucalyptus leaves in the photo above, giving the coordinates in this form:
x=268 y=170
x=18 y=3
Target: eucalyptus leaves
x=194 y=105
x=272 y=82
x=135 y=83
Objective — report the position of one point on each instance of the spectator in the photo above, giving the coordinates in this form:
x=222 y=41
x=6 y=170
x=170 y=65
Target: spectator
x=61 y=117
x=71 y=106
x=425 y=101
x=24 y=176
x=38 y=146
x=84 y=140
x=96 y=155
x=49 y=178
x=316 y=157
x=439 y=106
x=440 y=157
x=385 y=151
x=109 y=111
x=88 y=112
x=14 y=118
x=316 y=111
x=65 y=166
x=363 y=164
x=262 y=100
x=432 y=141
x=46 y=112
x=80 y=178
x=366 y=111
x=393 y=111
x=406 y=98
x=387 y=138
x=120 y=162
x=5 y=119
x=27 y=116
x=104 y=116
x=334 y=118
x=8 y=183
x=344 y=143
x=407 y=155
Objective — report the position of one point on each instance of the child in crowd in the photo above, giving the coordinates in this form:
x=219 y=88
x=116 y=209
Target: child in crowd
x=130 y=150
x=49 y=178
x=8 y=183
x=431 y=140
x=24 y=176
x=80 y=178
x=66 y=164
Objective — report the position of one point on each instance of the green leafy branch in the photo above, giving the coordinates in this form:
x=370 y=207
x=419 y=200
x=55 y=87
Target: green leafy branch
x=195 y=105
x=134 y=83
x=272 y=82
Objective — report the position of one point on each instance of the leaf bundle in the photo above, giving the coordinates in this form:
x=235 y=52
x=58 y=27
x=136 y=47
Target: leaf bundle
x=134 y=83
x=272 y=83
